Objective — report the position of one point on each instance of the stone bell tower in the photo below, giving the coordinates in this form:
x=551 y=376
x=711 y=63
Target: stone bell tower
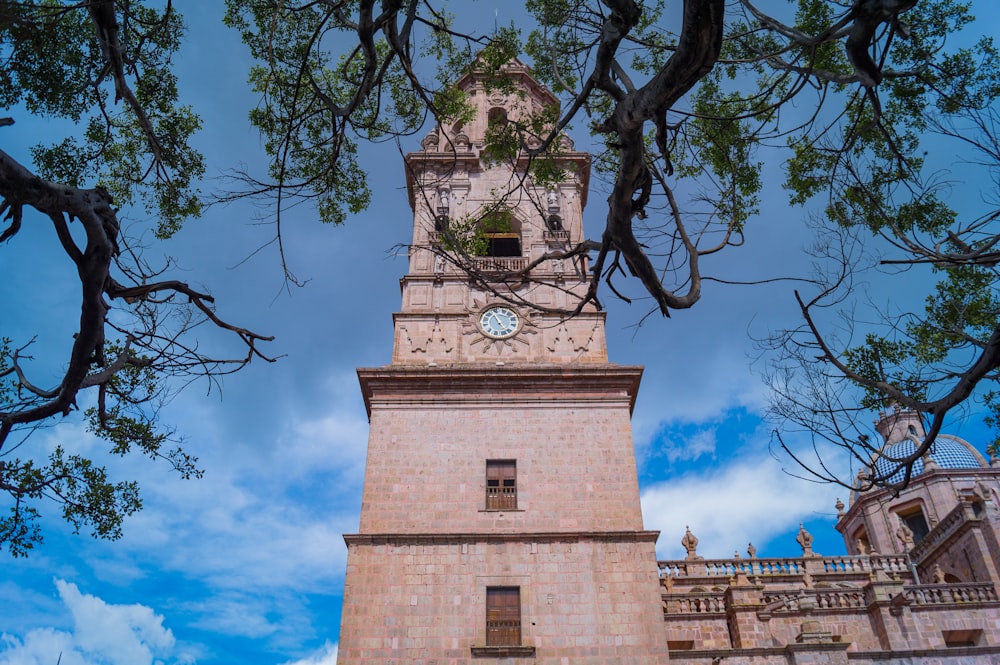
x=500 y=516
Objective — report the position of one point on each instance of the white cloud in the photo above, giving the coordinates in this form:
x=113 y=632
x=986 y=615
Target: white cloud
x=261 y=532
x=41 y=646
x=326 y=655
x=748 y=500
x=124 y=634
x=102 y=634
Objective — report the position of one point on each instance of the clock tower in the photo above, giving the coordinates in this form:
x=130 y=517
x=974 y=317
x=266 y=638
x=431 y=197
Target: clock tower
x=500 y=515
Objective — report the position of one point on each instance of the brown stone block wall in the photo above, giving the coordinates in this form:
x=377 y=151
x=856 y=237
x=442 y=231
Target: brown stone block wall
x=426 y=470
x=703 y=632
x=932 y=623
x=854 y=627
x=594 y=602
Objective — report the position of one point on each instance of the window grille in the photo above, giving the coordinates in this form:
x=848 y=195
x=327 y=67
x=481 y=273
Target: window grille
x=501 y=484
x=503 y=616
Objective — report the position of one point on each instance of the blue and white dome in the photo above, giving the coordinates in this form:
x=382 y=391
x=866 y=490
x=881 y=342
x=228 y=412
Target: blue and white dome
x=948 y=452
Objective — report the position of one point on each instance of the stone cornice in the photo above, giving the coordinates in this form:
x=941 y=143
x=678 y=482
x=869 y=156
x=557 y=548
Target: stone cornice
x=520 y=537
x=400 y=385
x=716 y=655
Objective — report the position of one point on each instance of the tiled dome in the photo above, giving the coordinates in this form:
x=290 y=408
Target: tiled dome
x=948 y=452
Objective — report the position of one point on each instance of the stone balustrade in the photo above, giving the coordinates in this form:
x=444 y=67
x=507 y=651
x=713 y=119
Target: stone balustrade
x=819 y=599
x=689 y=603
x=792 y=601
x=556 y=237
x=730 y=567
x=500 y=263
x=946 y=594
x=818 y=566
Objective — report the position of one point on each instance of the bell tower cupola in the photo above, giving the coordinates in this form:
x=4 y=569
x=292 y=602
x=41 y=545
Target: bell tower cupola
x=487 y=281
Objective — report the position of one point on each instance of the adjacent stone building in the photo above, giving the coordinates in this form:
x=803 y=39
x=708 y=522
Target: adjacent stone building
x=500 y=517
x=919 y=584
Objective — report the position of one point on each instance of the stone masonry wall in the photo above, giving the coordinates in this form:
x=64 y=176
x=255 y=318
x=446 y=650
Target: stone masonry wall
x=584 y=601
x=426 y=469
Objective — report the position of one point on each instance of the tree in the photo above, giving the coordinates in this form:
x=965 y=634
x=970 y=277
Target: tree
x=683 y=100
x=105 y=66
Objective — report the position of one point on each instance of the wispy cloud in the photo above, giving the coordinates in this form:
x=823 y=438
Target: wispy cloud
x=677 y=447
x=327 y=655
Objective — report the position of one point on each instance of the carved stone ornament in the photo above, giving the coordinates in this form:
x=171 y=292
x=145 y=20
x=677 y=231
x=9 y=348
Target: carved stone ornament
x=805 y=541
x=690 y=544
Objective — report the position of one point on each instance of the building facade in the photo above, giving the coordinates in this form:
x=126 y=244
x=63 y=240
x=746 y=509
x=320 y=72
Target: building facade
x=500 y=516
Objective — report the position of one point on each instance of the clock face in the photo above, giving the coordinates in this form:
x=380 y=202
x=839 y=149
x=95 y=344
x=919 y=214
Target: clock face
x=499 y=322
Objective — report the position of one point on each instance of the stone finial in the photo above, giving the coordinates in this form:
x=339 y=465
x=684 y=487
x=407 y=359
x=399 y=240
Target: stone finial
x=430 y=142
x=690 y=543
x=805 y=541
x=840 y=508
x=938 y=574
x=751 y=550
x=736 y=554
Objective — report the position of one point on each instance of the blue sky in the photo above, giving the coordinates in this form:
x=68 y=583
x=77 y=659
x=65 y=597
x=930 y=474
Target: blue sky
x=247 y=564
